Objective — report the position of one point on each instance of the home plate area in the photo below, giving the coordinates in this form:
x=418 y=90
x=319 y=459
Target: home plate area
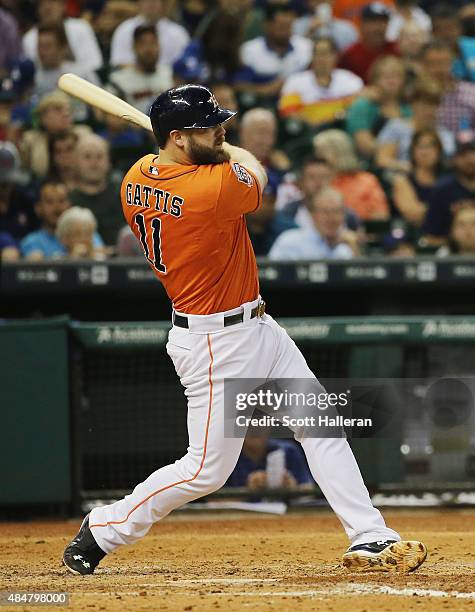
x=238 y=561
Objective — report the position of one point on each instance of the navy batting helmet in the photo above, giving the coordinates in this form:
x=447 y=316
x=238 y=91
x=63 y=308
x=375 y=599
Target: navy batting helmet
x=186 y=107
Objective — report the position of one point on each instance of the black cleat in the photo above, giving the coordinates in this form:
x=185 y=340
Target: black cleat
x=385 y=556
x=82 y=555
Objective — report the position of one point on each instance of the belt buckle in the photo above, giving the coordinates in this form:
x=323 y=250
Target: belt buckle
x=261 y=308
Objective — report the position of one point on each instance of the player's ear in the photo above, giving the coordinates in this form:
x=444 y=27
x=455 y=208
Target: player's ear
x=177 y=138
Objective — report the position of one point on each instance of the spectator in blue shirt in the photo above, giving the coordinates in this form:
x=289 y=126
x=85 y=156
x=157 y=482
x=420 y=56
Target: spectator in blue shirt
x=252 y=468
x=270 y=59
x=328 y=239
x=266 y=224
x=43 y=244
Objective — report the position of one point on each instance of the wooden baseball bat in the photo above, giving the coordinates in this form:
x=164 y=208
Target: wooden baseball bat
x=102 y=99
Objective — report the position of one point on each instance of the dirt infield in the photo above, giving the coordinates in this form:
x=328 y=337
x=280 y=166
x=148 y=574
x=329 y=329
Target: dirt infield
x=243 y=562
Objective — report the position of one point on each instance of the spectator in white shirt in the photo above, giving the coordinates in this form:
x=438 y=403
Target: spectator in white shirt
x=322 y=94
x=52 y=63
x=270 y=59
x=319 y=22
x=328 y=239
x=406 y=11
x=82 y=42
x=141 y=83
x=173 y=37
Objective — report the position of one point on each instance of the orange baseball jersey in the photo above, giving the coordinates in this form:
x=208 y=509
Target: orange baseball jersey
x=190 y=222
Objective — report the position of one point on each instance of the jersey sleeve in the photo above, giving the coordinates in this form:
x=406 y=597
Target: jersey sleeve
x=240 y=192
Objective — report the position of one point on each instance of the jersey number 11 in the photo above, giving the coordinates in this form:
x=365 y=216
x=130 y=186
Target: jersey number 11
x=154 y=257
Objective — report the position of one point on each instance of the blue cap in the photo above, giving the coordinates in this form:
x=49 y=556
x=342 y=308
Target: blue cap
x=396 y=237
x=22 y=75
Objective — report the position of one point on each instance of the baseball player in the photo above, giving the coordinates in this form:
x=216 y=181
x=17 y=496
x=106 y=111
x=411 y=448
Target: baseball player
x=187 y=207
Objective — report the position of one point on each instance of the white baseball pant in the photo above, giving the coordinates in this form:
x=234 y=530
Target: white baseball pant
x=203 y=356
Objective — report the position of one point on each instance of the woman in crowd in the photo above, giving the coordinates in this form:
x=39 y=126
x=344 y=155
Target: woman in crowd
x=381 y=101
x=361 y=190
x=54 y=116
x=411 y=192
x=394 y=140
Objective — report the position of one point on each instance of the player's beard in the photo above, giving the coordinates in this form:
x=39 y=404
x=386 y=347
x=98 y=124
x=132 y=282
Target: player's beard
x=200 y=154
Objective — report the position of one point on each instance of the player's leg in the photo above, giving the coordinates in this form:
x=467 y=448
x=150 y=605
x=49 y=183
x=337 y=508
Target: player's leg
x=336 y=472
x=202 y=362
x=204 y=468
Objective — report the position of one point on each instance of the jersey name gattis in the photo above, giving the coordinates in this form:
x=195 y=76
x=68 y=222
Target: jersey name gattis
x=144 y=196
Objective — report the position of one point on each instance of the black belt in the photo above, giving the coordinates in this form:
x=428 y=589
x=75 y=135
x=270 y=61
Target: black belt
x=258 y=311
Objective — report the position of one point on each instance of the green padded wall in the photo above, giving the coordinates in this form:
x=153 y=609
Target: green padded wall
x=35 y=451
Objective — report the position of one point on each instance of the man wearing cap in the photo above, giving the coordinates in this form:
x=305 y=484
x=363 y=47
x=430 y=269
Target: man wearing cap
x=372 y=44
x=398 y=244
x=450 y=194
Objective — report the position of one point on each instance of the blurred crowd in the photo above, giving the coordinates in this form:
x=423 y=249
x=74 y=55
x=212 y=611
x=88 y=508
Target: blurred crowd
x=362 y=113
